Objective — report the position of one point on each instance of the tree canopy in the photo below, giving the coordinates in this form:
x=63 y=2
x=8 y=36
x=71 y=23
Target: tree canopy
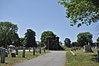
x=30 y=38
x=84 y=38
x=74 y=44
x=6 y=31
x=45 y=35
x=15 y=39
x=98 y=40
x=67 y=42
x=22 y=41
x=81 y=11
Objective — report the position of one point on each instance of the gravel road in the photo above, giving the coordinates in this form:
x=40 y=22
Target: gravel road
x=54 y=58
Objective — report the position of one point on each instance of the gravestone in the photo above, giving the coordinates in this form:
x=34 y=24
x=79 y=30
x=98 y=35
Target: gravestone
x=44 y=50
x=6 y=53
x=33 y=51
x=2 y=55
x=40 y=50
x=97 y=55
x=73 y=48
x=13 y=53
x=87 y=48
x=11 y=48
x=16 y=50
x=23 y=54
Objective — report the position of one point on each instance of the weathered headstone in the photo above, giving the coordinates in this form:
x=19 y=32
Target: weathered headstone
x=33 y=51
x=6 y=53
x=44 y=50
x=23 y=55
x=73 y=48
x=87 y=48
x=29 y=49
x=97 y=55
x=95 y=47
x=40 y=50
x=13 y=53
x=11 y=48
x=2 y=55
x=16 y=50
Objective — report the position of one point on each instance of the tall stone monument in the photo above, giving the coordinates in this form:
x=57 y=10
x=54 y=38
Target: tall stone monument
x=53 y=44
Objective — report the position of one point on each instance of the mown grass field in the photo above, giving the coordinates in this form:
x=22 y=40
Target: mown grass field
x=82 y=59
x=11 y=61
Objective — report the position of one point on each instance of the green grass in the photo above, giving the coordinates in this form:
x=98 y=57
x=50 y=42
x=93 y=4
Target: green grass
x=81 y=59
x=11 y=61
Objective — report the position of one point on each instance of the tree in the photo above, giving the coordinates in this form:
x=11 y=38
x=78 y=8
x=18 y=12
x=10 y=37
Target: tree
x=22 y=41
x=15 y=39
x=98 y=40
x=44 y=37
x=84 y=38
x=30 y=38
x=81 y=11
x=67 y=42
x=38 y=43
x=6 y=29
x=60 y=42
x=74 y=44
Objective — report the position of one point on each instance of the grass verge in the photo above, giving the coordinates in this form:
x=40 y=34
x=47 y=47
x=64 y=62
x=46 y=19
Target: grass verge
x=81 y=59
x=11 y=61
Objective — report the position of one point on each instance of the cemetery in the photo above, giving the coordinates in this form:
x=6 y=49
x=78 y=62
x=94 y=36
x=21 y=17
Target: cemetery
x=17 y=56
x=40 y=36
x=82 y=58
x=77 y=53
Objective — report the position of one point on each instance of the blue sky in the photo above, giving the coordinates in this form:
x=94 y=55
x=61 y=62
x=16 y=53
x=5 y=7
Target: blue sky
x=40 y=16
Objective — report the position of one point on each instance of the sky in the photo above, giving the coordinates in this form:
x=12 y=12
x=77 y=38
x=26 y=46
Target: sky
x=40 y=16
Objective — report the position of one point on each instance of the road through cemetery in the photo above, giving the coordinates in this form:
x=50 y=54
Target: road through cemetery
x=54 y=58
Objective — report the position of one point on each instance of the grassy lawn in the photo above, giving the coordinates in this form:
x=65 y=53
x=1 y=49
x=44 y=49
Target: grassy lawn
x=81 y=59
x=11 y=61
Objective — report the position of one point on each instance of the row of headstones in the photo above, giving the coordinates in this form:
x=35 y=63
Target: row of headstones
x=86 y=48
x=14 y=53
x=75 y=48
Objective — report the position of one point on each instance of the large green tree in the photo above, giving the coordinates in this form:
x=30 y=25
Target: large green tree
x=74 y=44
x=98 y=40
x=81 y=11
x=67 y=42
x=6 y=29
x=30 y=38
x=45 y=35
x=84 y=38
